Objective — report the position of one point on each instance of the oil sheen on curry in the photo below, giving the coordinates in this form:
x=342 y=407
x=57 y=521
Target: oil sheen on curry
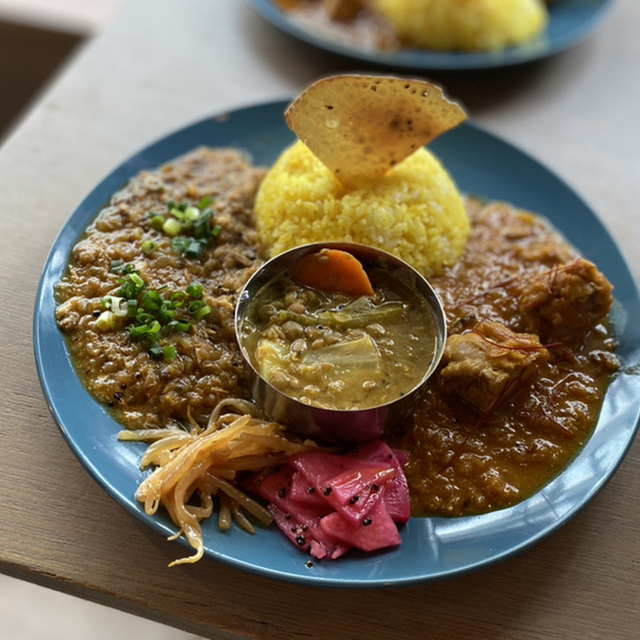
x=517 y=394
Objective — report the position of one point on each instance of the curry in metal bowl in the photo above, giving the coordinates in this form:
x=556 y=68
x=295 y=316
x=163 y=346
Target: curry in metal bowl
x=342 y=329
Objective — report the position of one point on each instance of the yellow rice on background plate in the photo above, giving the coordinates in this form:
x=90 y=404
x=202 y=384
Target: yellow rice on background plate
x=467 y=25
x=414 y=211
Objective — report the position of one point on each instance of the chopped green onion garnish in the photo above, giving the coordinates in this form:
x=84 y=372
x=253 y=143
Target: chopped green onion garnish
x=177 y=299
x=154 y=327
x=187 y=219
x=195 y=249
x=137 y=280
x=119 y=306
x=202 y=228
x=157 y=351
x=128 y=289
x=195 y=306
x=180 y=244
x=191 y=248
x=142 y=317
x=116 y=265
x=172 y=227
x=116 y=304
x=151 y=300
x=205 y=202
x=194 y=290
x=152 y=315
x=178 y=325
x=132 y=283
x=165 y=314
x=203 y=311
x=130 y=268
x=169 y=353
x=138 y=331
x=149 y=246
x=157 y=222
x=192 y=213
x=106 y=321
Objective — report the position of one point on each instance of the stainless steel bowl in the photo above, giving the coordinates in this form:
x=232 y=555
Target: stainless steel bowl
x=332 y=425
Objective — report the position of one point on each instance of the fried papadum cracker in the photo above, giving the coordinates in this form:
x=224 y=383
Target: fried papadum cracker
x=362 y=126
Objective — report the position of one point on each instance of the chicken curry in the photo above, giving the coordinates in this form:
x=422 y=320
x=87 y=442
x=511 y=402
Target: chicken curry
x=525 y=368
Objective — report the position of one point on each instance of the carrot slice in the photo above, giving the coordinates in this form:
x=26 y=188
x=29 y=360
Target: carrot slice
x=333 y=271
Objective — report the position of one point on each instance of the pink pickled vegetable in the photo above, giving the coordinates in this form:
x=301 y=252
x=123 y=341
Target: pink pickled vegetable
x=326 y=503
x=376 y=531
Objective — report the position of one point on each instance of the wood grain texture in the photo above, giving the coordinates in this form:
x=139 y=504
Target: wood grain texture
x=164 y=64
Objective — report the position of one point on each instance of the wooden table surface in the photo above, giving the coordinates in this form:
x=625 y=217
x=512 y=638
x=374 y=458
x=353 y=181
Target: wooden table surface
x=161 y=65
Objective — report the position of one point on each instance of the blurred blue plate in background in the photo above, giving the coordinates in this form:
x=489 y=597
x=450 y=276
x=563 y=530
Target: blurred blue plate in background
x=570 y=23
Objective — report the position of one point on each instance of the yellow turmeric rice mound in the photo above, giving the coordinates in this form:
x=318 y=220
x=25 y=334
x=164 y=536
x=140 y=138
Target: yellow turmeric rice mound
x=466 y=25
x=414 y=211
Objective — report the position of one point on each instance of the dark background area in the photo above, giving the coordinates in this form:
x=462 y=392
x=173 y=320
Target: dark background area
x=29 y=56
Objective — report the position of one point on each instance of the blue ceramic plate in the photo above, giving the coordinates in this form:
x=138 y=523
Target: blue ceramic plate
x=571 y=22
x=432 y=548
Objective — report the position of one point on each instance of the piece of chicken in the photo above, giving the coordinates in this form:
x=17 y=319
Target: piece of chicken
x=484 y=366
x=566 y=302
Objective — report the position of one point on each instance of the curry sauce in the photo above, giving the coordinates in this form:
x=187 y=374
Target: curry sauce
x=465 y=458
